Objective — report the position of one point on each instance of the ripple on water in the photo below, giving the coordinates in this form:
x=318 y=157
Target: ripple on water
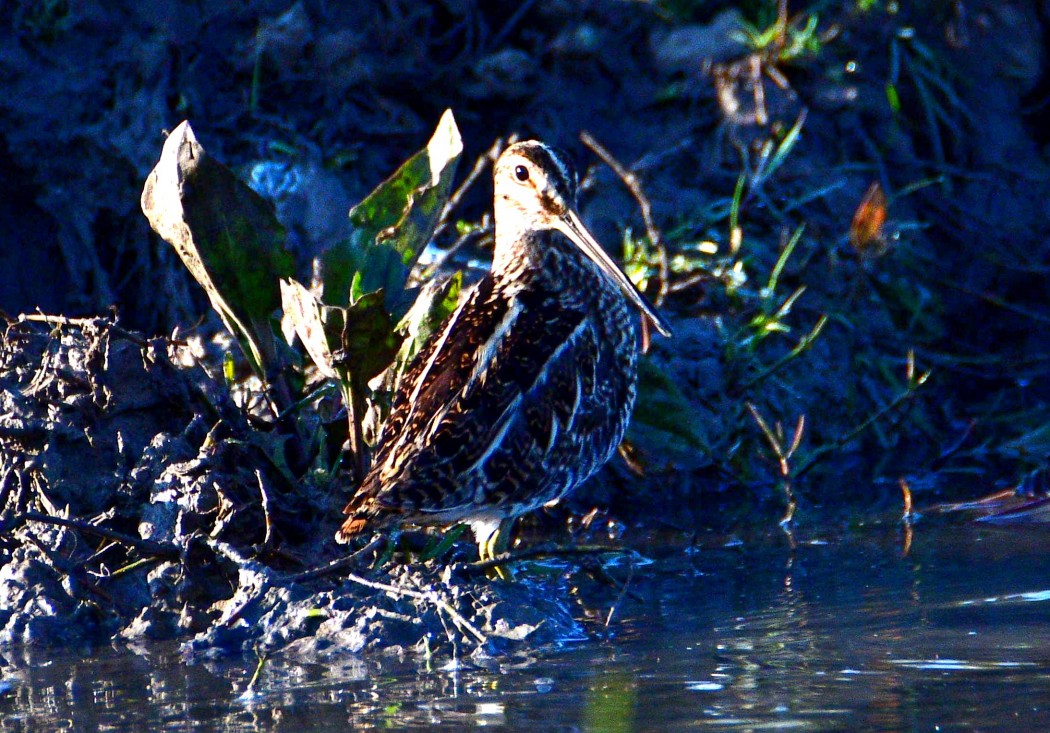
x=843 y=636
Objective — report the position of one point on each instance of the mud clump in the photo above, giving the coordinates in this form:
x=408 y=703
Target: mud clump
x=139 y=501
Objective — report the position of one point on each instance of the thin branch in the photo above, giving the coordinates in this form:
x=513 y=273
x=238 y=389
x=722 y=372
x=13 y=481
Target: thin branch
x=265 y=501
x=62 y=566
x=335 y=565
x=509 y=26
x=771 y=438
x=909 y=513
x=130 y=567
x=796 y=441
x=784 y=460
x=485 y=160
x=96 y=322
x=149 y=547
x=7 y=482
x=474 y=235
x=688 y=282
x=630 y=180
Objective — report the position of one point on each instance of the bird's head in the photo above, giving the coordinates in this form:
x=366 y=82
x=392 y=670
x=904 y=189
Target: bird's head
x=535 y=183
x=535 y=187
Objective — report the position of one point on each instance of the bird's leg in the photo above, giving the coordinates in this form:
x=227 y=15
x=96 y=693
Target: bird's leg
x=494 y=545
x=500 y=540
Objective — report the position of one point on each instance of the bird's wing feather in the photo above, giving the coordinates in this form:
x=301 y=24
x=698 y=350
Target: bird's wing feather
x=430 y=378
x=484 y=387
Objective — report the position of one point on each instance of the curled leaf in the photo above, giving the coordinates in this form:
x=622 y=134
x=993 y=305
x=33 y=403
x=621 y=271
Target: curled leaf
x=865 y=232
x=305 y=313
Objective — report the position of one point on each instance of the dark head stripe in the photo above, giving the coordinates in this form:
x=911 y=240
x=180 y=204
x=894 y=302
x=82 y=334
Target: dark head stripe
x=556 y=163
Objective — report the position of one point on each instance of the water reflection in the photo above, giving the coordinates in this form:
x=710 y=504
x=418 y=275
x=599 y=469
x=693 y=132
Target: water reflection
x=844 y=635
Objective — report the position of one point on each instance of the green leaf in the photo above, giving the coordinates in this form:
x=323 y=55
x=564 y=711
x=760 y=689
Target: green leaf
x=356 y=289
x=893 y=98
x=368 y=343
x=394 y=223
x=226 y=235
x=784 y=149
x=358 y=340
x=438 y=549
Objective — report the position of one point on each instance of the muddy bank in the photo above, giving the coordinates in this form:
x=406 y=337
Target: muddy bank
x=149 y=512
x=789 y=319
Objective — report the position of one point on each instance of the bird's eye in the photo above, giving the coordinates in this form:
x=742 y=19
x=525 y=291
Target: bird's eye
x=521 y=173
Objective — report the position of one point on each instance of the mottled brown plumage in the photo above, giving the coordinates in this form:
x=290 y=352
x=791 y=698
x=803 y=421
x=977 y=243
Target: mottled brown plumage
x=527 y=388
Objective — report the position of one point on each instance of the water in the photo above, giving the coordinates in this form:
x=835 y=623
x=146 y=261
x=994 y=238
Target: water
x=842 y=634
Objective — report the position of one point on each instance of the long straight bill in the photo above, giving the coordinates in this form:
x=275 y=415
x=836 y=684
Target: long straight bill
x=573 y=228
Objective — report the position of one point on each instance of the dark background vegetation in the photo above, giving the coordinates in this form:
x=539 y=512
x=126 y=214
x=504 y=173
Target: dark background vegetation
x=945 y=104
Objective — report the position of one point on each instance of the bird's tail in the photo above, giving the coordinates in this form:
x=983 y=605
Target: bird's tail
x=363 y=513
x=352 y=527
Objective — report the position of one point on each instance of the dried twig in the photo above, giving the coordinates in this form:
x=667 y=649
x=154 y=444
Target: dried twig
x=776 y=444
x=907 y=518
x=336 y=565
x=248 y=571
x=512 y=22
x=96 y=322
x=149 y=547
x=62 y=566
x=776 y=441
x=485 y=160
x=474 y=235
x=689 y=282
x=130 y=567
x=909 y=513
x=430 y=597
x=619 y=598
x=840 y=442
x=8 y=478
x=265 y=502
x=630 y=180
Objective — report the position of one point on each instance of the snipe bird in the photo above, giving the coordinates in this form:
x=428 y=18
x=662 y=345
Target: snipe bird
x=526 y=389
